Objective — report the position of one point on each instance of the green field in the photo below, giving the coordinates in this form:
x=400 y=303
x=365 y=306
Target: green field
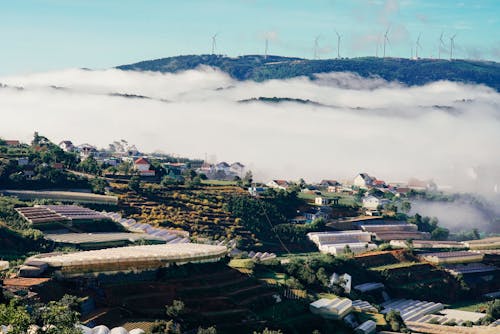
x=471 y=306
x=218 y=182
x=395 y=266
x=343 y=198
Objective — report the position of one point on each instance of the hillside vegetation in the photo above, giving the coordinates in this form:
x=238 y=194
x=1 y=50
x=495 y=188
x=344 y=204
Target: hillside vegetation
x=407 y=71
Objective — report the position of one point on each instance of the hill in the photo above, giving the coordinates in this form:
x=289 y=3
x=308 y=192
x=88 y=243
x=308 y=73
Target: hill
x=407 y=71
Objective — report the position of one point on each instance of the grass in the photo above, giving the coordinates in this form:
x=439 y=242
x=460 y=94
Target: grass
x=241 y=263
x=395 y=266
x=470 y=305
x=218 y=182
x=343 y=198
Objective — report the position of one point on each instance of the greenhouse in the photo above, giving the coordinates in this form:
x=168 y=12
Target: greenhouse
x=128 y=258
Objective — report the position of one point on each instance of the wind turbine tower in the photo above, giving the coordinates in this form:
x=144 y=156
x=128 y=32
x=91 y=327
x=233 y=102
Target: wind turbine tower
x=267 y=48
x=441 y=44
x=418 y=46
x=386 y=39
x=339 y=36
x=316 y=47
x=214 y=43
x=452 y=45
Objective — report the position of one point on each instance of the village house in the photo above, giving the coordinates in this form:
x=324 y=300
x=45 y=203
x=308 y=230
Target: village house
x=13 y=143
x=223 y=167
x=237 y=169
x=256 y=191
x=66 y=146
x=142 y=165
x=363 y=181
x=332 y=186
x=86 y=151
x=373 y=203
x=321 y=201
x=278 y=184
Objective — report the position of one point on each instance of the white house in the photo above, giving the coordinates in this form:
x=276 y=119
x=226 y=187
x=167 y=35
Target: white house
x=237 y=169
x=86 y=151
x=363 y=181
x=143 y=166
x=373 y=203
x=23 y=161
x=321 y=201
x=279 y=184
x=223 y=167
x=66 y=146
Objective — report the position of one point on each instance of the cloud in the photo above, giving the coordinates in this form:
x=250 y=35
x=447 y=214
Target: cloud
x=439 y=131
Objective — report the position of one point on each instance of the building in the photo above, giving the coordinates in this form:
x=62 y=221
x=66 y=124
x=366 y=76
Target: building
x=67 y=146
x=279 y=184
x=145 y=257
x=336 y=308
x=452 y=257
x=223 y=167
x=86 y=151
x=13 y=143
x=321 y=200
x=363 y=181
x=396 y=231
x=367 y=327
x=143 y=166
x=237 y=168
x=337 y=243
x=257 y=191
x=374 y=203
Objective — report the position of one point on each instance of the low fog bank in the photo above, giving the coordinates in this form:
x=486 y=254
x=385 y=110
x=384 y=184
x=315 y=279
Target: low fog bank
x=444 y=131
x=461 y=215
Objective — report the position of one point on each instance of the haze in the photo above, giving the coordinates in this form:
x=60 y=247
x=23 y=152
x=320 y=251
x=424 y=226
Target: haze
x=443 y=131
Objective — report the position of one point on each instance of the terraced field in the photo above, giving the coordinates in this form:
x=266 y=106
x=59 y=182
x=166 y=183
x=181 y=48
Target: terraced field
x=219 y=296
x=198 y=211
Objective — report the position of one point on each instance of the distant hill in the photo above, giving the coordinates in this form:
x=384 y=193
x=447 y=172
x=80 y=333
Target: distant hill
x=407 y=71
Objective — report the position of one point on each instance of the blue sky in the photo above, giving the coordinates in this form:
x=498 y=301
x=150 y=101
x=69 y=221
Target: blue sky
x=40 y=35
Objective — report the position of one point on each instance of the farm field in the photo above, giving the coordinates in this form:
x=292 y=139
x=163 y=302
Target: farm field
x=344 y=199
x=64 y=196
x=198 y=211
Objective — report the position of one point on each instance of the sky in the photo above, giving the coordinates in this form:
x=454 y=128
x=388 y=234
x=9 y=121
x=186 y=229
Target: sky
x=44 y=35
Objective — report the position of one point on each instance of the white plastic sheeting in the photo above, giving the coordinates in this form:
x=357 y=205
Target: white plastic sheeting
x=178 y=253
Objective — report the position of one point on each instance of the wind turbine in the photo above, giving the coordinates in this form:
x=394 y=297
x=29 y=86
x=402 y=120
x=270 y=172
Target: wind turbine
x=214 y=43
x=339 y=36
x=386 y=39
x=418 y=46
x=267 y=48
x=452 y=45
x=441 y=44
x=316 y=47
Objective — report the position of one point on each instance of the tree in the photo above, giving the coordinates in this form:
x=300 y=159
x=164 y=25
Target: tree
x=58 y=317
x=248 y=179
x=394 y=321
x=494 y=309
x=135 y=183
x=269 y=331
x=15 y=316
x=209 y=330
x=176 y=309
x=98 y=185
x=406 y=206
x=440 y=233
x=166 y=327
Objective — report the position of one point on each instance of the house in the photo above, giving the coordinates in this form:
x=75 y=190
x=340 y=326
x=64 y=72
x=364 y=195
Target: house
x=256 y=191
x=13 y=143
x=318 y=212
x=66 y=146
x=363 y=181
x=373 y=203
x=321 y=200
x=143 y=166
x=23 y=161
x=29 y=171
x=279 y=184
x=86 y=151
x=223 y=167
x=419 y=185
x=379 y=183
x=237 y=169
x=206 y=168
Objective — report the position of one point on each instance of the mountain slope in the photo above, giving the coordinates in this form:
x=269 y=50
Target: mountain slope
x=407 y=71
